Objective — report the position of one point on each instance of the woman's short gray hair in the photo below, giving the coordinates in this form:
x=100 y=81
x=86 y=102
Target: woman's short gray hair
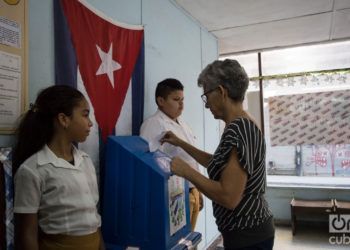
x=228 y=73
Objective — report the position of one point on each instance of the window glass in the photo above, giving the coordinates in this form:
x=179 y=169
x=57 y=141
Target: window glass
x=306 y=108
x=307 y=124
x=248 y=61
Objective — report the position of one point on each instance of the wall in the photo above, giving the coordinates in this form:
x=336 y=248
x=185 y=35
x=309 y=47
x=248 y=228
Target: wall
x=175 y=46
x=279 y=198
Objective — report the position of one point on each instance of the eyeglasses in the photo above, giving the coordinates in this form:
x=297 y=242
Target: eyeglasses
x=204 y=96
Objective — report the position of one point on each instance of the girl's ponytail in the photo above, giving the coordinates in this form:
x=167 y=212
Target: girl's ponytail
x=36 y=127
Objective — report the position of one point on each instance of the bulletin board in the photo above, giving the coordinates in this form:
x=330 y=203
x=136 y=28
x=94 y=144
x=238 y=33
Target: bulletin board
x=13 y=62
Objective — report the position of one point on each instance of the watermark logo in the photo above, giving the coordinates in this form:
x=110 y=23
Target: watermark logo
x=339 y=240
x=339 y=223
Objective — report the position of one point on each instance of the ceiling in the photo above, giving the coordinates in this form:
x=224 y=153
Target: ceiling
x=253 y=25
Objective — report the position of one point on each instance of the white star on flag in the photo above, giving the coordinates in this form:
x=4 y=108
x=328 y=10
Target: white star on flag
x=108 y=65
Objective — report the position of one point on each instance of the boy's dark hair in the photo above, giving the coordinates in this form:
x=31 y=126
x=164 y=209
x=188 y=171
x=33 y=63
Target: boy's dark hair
x=165 y=87
x=36 y=127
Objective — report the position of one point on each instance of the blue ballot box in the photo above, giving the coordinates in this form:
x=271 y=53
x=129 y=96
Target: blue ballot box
x=144 y=206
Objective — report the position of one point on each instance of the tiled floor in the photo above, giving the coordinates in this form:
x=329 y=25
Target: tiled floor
x=308 y=237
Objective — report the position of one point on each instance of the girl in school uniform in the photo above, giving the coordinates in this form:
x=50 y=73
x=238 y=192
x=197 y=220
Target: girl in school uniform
x=56 y=191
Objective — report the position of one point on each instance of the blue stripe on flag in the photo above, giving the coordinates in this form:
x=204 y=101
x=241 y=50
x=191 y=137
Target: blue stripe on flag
x=65 y=59
x=138 y=92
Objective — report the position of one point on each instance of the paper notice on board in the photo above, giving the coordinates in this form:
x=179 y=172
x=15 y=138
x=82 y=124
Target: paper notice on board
x=10 y=32
x=10 y=89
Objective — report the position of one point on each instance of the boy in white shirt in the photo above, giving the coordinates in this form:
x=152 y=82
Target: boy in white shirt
x=169 y=98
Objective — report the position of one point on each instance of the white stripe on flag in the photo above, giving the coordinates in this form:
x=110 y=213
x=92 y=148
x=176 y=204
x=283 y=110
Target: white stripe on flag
x=123 y=126
x=91 y=145
x=124 y=123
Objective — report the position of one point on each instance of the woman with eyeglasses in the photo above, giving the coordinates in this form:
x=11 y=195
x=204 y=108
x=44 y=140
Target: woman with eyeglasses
x=237 y=174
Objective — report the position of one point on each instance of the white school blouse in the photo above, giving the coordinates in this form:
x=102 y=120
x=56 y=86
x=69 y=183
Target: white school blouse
x=64 y=196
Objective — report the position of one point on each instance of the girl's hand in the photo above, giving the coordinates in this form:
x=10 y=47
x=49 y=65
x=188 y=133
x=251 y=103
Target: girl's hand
x=171 y=138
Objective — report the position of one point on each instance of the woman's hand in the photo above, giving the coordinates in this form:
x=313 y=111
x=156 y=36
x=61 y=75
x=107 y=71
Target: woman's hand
x=179 y=166
x=171 y=138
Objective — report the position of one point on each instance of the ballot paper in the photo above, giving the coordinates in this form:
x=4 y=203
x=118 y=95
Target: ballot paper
x=163 y=160
x=155 y=143
x=167 y=148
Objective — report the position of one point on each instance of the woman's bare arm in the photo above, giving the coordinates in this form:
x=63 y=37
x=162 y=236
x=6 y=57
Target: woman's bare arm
x=228 y=191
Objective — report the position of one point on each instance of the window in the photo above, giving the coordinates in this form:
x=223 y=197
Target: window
x=306 y=108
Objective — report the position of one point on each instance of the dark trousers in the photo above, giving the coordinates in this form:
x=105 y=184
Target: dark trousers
x=264 y=245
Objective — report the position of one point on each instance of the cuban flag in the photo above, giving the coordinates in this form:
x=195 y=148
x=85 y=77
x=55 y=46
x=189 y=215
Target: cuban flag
x=104 y=59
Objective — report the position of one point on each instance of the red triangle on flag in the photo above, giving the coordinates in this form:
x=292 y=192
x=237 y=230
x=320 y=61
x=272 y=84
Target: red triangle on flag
x=106 y=55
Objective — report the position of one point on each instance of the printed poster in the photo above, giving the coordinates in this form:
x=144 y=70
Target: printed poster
x=177 y=208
